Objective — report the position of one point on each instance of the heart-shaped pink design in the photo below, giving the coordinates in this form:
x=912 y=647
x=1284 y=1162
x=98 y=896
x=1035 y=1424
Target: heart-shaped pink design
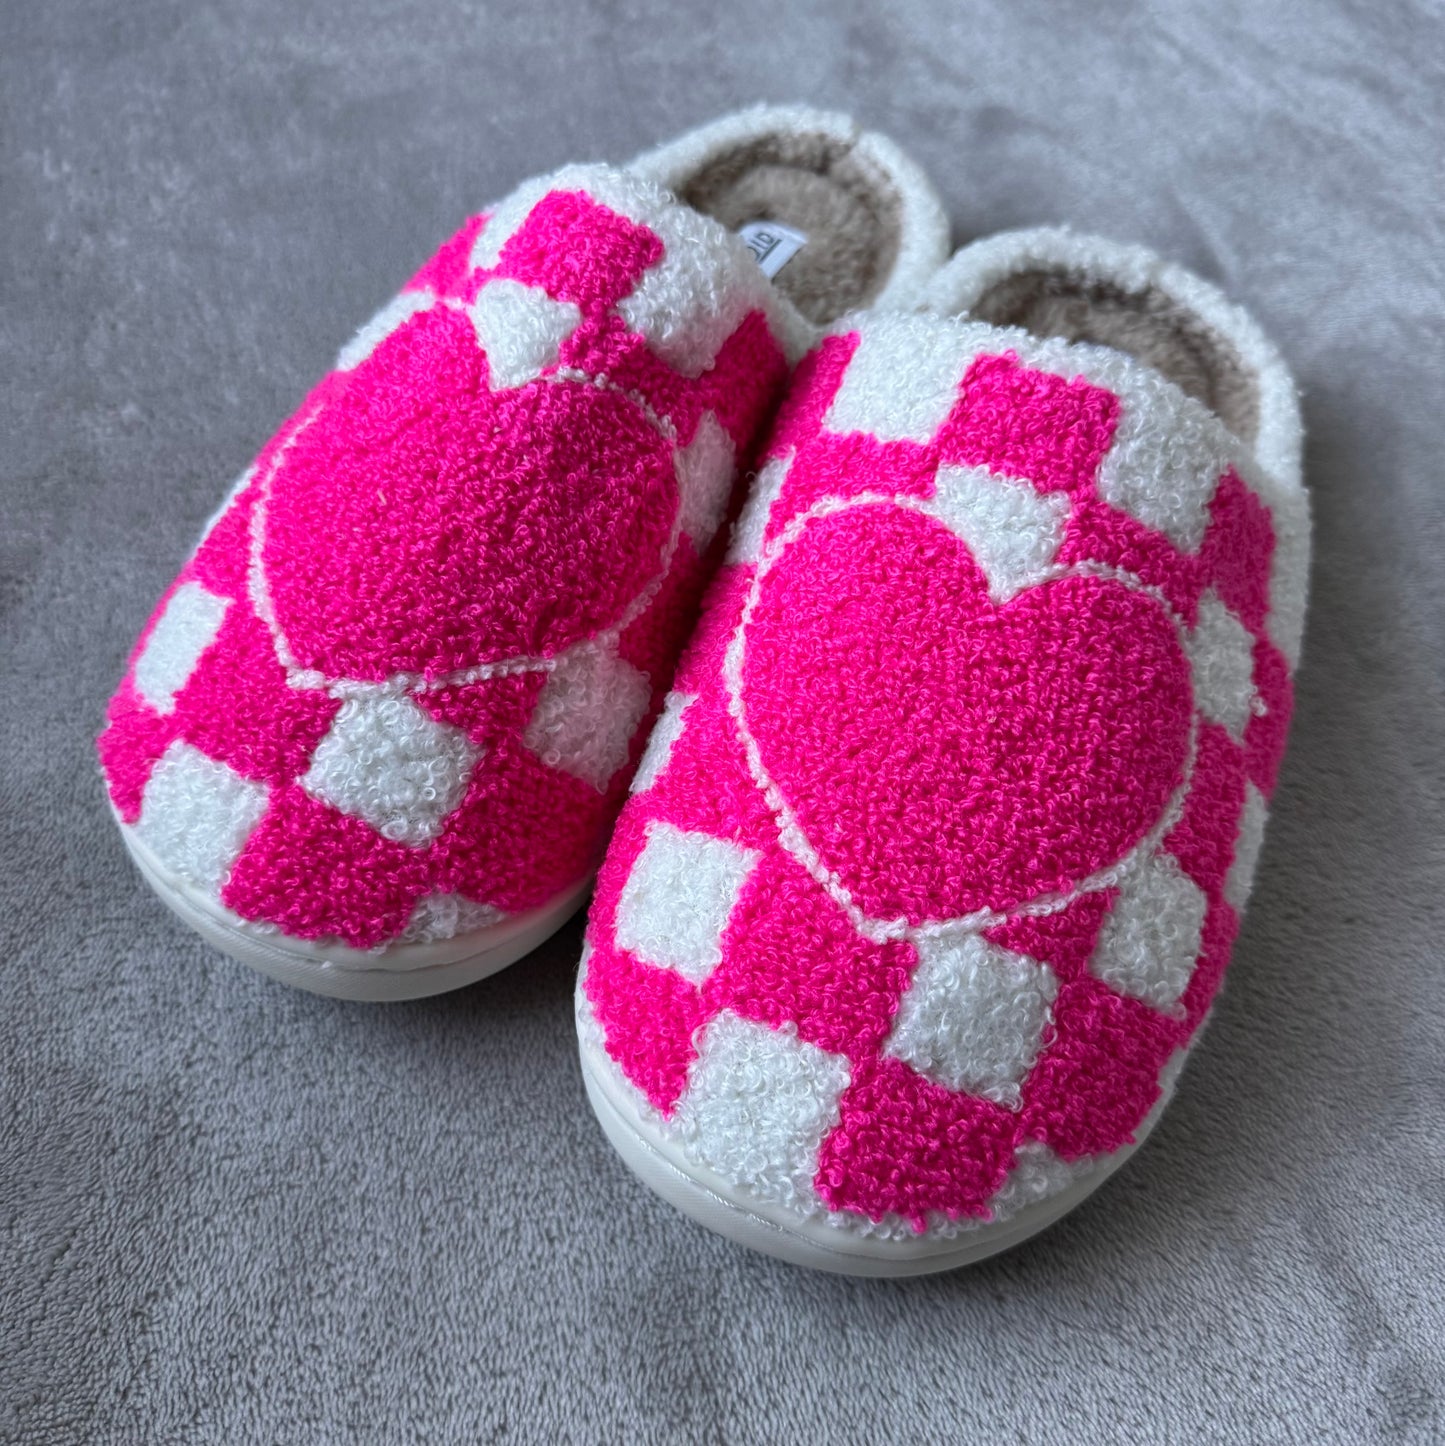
x=421 y=523
x=943 y=754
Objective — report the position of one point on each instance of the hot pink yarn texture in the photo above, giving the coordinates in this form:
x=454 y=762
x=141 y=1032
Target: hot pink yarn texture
x=897 y=747
x=945 y=755
x=419 y=529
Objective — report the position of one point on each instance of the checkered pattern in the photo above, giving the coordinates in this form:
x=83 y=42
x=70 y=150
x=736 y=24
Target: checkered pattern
x=989 y=1060
x=396 y=805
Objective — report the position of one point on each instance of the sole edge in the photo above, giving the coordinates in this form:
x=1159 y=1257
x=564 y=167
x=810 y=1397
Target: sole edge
x=339 y=972
x=811 y=1242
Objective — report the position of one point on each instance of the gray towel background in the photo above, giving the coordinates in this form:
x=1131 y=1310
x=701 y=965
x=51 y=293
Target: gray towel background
x=232 y=1213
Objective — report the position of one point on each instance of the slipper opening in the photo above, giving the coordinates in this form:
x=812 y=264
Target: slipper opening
x=839 y=218
x=819 y=187
x=1144 y=322
x=1058 y=285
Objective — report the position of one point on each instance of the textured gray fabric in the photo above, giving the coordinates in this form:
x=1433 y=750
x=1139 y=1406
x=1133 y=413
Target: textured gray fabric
x=233 y=1213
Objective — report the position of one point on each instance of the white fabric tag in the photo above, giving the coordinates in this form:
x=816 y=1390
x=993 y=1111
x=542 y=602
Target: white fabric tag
x=772 y=243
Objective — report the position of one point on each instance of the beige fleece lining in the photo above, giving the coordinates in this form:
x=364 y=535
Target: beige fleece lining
x=1148 y=325
x=847 y=207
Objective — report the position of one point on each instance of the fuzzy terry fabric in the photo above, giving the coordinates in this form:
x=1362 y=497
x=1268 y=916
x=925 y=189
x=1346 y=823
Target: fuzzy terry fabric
x=232 y=1213
x=945 y=841
x=396 y=691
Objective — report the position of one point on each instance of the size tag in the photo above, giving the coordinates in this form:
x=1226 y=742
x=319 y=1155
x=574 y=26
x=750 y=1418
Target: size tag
x=772 y=243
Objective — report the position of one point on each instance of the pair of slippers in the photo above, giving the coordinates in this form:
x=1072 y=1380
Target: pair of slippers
x=919 y=853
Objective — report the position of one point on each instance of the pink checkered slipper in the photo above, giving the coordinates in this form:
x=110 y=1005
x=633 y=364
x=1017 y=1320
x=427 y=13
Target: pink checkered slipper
x=935 y=858
x=374 y=735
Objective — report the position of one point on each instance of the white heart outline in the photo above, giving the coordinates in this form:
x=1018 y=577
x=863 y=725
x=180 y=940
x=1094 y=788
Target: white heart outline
x=790 y=832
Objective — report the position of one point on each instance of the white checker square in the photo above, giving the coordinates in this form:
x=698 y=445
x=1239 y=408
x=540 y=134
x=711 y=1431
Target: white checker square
x=1289 y=569
x=188 y=626
x=392 y=317
x=705 y=480
x=587 y=713
x=678 y=898
x=758 y=1105
x=445 y=916
x=665 y=733
x=752 y=524
x=1149 y=944
x=901 y=382
x=387 y=761
x=196 y=815
x=1221 y=656
x=1012 y=529
x=974 y=1016
x=520 y=328
x=1168 y=454
x=1239 y=882
x=1038 y=1173
x=696 y=296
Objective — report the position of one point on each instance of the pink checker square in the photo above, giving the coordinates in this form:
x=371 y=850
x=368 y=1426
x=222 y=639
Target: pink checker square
x=906 y=1146
x=578 y=250
x=1203 y=840
x=791 y=956
x=449 y=272
x=318 y=874
x=650 y=1016
x=1030 y=424
x=1238 y=549
x=1099 y=1078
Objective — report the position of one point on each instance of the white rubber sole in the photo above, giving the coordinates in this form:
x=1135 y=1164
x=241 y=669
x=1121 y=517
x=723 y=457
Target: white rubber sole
x=731 y=1212
x=405 y=971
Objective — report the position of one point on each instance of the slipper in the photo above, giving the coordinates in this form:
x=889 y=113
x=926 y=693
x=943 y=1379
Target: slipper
x=373 y=738
x=938 y=850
